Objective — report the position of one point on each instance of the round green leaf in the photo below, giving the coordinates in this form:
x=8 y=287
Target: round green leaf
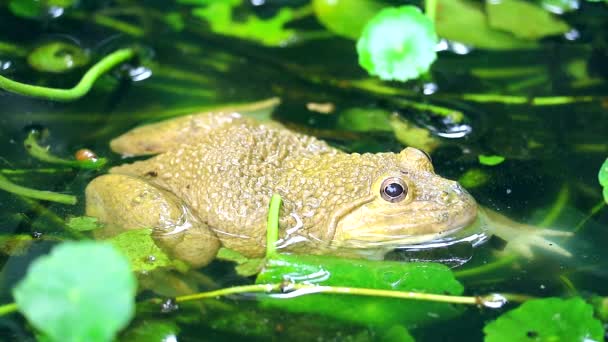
x=57 y=57
x=345 y=18
x=492 y=160
x=81 y=291
x=603 y=174
x=550 y=319
x=398 y=44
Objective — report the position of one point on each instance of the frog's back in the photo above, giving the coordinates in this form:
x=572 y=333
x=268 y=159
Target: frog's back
x=228 y=175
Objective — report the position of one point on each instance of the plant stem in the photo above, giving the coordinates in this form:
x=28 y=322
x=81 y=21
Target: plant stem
x=534 y=101
x=81 y=89
x=115 y=24
x=490 y=300
x=430 y=8
x=272 y=228
x=18 y=172
x=12 y=49
x=596 y=209
x=43 y=154
x=7 y=185
x=8 y=308
x=557 y=207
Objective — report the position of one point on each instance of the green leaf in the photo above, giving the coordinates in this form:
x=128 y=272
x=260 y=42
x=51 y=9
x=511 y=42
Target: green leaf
x=43 y=154
x=491 y=160
x=398 y=43
x=332 y=271
x=524 y=19
x=139 y=247
x=550 y=319
x=346 y=18
x=147 y=331
x=26 y=8
x=464 y=21
x=473 y=178
x=365 y=120
x=83 y=223
x=81 y=291
x=245 y=267
x=603 y=174
x=411 y=135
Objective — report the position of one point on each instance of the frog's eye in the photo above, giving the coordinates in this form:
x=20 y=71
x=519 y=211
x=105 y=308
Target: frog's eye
x=393 y=190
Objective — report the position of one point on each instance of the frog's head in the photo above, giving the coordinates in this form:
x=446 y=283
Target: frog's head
x=407 y=203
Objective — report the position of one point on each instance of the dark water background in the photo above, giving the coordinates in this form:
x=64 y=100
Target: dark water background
x=551 y=152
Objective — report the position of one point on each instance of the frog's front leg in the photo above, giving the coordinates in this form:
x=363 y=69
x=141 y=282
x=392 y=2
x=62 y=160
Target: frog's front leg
x=131 y=203
x=521 y=238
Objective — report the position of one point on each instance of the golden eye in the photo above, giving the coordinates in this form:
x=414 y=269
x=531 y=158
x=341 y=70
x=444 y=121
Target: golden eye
x=393 y=190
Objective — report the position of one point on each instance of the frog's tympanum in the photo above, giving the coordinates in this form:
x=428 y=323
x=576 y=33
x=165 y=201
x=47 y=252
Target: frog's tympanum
x=213 y=175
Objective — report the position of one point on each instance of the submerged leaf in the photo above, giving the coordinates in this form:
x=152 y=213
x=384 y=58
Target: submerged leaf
x=82 y=291
x=398 y=44
x=473 y=178
x=492 y=160
x=332 y=271
x=524 y=19
x=57 y=57
x=83 y=223
x=550 y=319
x=140 y=249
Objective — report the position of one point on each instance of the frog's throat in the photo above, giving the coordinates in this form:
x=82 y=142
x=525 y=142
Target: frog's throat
x=342 y=211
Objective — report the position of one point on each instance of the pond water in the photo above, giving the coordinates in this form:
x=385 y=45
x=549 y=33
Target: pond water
x=552 y=152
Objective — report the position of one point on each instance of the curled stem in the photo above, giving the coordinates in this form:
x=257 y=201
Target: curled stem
x=78 y=91
x=7 y=185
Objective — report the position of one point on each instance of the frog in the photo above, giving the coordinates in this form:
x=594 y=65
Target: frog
x=209 y=178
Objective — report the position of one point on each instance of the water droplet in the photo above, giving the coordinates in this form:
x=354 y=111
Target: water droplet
x=169 y=305
x=139 y=73
x=494 y=301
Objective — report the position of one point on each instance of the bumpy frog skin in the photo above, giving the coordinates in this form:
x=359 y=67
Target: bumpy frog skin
x=211 y=180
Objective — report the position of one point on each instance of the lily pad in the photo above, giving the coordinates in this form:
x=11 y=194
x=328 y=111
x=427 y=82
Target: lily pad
x=550 y=319
x=81 y=291
x=398 y=44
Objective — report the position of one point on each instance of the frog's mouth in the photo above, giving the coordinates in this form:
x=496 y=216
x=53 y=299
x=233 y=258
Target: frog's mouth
x=422 y=221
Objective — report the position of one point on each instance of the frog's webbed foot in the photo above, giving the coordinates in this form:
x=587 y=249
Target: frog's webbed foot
x=523 y=238
x=538 y=237
x=131 y=203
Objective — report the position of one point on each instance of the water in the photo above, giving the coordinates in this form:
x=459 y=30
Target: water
x=552 y=153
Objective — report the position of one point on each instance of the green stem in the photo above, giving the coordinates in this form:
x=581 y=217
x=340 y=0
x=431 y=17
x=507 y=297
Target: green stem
x=534 y=101
x=272 y=228
x=491 y=300
x=19 y=172
x=7 y=309
x=557 y=208
x=12 y=49
x=7 y=185
x=43 y=154
x=596 y=209
x=112 y=23
x=81 y=89
x=430 y=8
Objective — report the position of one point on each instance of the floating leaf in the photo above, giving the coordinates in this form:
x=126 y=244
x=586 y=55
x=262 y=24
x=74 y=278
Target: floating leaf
x=139 y=247
x=464 y=21
x=524 y=19
x=83 y=223
x=398 y=43
x=491 y=160
x=550 y=319
x=57 y=57
x=346 y=18
x=246 y=267
x=332 y=271
x=81 y=291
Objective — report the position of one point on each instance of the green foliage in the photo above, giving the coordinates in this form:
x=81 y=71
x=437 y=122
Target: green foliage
x=411 y=135
x=524 y=19
x=473 y=178
x=269 y=32
x=550 y=319
x=603 y=179
x=365 y=120
x=490 y=160
x=465 y=21
x=83 y=223
x=81 y=291
x=332 y=271
x=346 y=18
x=139 y=247
x=44 y=154
x=398 y=43
x=244 y=266
x=35 y=8
x=147 y=331
x=57 y=57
